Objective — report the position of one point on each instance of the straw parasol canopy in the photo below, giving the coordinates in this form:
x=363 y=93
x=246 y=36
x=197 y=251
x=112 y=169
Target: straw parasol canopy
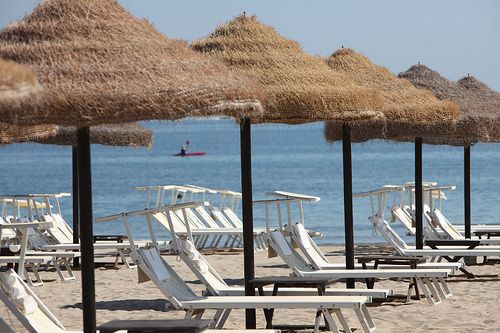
x=300 y=88
x=490 y=112
x=98 y=64
x=403 y=103
x=123 y=135
x=479 y=110
x=17 y=84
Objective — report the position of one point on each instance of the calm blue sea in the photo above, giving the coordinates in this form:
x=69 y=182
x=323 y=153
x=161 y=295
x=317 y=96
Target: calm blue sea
x=290 y=158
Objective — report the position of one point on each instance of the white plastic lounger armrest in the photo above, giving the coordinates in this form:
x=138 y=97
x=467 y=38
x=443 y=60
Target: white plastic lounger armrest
x=20 y=225
x=292 y=195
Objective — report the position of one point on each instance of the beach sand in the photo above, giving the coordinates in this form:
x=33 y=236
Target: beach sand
x=473 y=306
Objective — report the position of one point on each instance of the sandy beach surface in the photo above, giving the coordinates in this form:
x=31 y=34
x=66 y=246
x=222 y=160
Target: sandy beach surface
x=473 y=307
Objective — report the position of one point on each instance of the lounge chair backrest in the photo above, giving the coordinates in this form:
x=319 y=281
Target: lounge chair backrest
x=404 y=218
x=59 y=230
x=232 y=217
x=26 y=306
x=63 y=226
x=280 y=245
x=194 y=221
x=445 y=225
x=207 y=219
x=201 y=267
x=389 y=234
x=6 y=233
x=162 y=219
x=165 y=278
x=308 y=247
x=431 y=227
x=221 y=218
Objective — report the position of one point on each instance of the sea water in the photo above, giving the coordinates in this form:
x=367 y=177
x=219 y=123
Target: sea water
x=288 y=158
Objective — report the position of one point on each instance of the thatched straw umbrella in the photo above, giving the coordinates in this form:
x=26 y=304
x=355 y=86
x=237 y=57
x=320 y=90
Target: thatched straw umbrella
x=485 y=103
x=479 y=118
x=123 y=135
x=300 y=88
x=18 y=84
x=403 y=103
x=100 y=65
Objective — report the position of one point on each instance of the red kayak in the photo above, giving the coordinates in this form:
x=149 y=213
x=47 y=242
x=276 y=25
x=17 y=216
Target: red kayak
x=194 y=153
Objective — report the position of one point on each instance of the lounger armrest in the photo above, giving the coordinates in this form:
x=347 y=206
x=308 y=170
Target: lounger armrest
x=292 y=195
x=452 y=242
x=20 y=225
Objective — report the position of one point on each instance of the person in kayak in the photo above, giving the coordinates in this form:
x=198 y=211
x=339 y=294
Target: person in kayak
x=183 y=150
x=185 y=147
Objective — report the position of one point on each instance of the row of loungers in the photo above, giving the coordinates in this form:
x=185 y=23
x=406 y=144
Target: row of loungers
x=182 y=221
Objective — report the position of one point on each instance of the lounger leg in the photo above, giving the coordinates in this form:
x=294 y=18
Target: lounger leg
x=368 y=317
x=123 y=256
x=439 y=289
x=66 y=264
x=365 y=319
x=410 y=287
x=57 y=264
x=433 y=291
x=426 y=292
x=444 y=284
x=329 y=320
x=36 y=273
x=38 y=279
x=196 y=313
x=223 y=318
x=317 y=320
x=343 y=321
x=216 y=318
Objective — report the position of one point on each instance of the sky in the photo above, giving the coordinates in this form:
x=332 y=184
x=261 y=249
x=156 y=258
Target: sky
x=454 y=37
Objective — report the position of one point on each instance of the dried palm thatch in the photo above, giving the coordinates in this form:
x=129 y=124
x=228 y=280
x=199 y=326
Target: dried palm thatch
x=490 y=111
x=17 y=84
x=402 y=102
x=123 y=135
x=480 y=107
x=300 y=88
x=98 y=64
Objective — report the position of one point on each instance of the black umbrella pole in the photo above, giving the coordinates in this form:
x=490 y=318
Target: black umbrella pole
x=419 y=205
x=86 y=236
x=247 y=206
x=467 y=209
x=76 y=224
x=348 y=211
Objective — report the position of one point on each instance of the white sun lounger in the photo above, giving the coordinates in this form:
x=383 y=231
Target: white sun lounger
x=382 y=226
x=215 y=285
x=53 y=233
x=318 y=260
x=37 y=318
x=298 y=199
x=202 y=219
x=444 y=224
x=58 y=259
x=33 y=315
x=183 y=298
x=198 y=231
x=430 y=281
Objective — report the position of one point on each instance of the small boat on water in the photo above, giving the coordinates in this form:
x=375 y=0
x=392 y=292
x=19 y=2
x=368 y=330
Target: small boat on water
x=194 y=153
